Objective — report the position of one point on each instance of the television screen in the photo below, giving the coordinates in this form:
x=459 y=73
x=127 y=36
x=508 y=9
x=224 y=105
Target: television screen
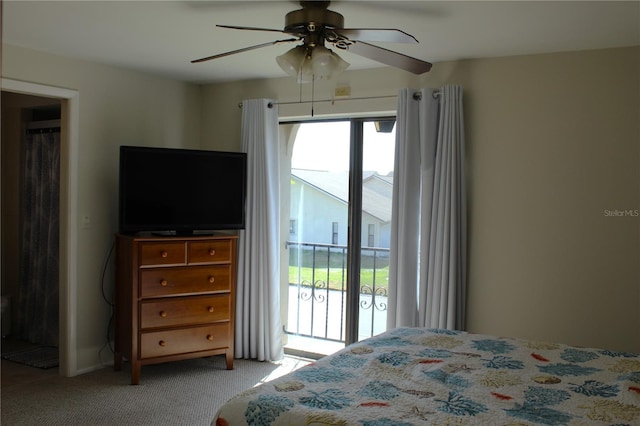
x=181 y=190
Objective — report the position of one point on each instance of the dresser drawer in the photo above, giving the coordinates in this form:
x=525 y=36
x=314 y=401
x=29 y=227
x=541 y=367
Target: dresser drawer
x=184 y=311
x=162 y=253
x=211 y=251
x=194 y=339
x=184 y=280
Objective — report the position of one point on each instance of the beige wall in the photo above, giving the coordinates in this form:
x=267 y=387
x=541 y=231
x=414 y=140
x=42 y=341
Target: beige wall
x=221 y=114
x=553 y=141
x=117 y=107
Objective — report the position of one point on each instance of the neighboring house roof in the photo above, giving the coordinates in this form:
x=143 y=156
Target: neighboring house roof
x=387 y=178
x=376 y=189
x=381 y=184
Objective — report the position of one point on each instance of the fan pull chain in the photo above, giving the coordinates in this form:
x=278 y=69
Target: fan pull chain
x=313 y=92
x=300 y=86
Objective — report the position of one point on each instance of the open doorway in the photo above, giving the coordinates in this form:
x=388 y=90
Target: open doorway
x=69 y=130
x=30 y=228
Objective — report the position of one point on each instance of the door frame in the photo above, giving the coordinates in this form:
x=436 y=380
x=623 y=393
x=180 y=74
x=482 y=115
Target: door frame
x=68 y=255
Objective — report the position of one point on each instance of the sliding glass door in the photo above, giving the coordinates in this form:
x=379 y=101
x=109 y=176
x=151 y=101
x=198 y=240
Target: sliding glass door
x=339 y=211
x=374 y=215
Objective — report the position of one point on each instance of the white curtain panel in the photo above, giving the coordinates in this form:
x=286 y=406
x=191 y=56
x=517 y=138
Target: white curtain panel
x=258 y=330
x=427 y=270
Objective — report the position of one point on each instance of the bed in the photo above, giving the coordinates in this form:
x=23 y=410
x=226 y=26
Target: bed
x=413 y=376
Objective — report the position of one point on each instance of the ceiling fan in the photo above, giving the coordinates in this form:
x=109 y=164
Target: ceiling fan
x=314 y=25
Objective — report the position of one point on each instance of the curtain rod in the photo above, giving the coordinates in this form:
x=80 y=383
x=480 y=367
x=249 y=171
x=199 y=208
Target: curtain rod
x=416 y=95
x=43 y=130
x=43 y=126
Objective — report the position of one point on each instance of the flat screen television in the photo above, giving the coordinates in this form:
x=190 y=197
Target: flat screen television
x=181 y=191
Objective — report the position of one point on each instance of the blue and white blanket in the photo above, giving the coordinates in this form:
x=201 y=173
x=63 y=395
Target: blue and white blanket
x=412 y=376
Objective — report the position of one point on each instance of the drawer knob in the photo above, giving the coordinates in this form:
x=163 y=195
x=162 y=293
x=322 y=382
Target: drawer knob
x=212 y=279
x=164 y=253
x=164 y=283
x=212 y=252
x=162 y=343
x=163 y=314
x=210 y=337
x=211 y=309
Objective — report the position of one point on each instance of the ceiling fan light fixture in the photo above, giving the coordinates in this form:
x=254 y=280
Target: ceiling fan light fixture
x=297 y=63
x=307 y=63
x=291 y=61
x=326 y=64
x=305 y=73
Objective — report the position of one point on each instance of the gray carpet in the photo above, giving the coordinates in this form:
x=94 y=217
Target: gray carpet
x=179 y=393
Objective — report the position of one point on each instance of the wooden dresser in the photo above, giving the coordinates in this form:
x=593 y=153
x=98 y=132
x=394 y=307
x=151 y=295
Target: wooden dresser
x=174 y=299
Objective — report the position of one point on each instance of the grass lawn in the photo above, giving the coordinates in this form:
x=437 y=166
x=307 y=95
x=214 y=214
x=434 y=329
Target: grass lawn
x=338 y=276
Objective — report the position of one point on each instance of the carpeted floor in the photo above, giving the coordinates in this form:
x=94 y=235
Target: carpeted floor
x=179 y=393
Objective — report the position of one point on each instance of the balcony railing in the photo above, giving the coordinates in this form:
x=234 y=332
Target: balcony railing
x=318 y=285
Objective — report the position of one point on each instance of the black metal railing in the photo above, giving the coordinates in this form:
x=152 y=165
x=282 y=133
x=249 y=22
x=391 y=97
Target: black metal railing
x=318 y=285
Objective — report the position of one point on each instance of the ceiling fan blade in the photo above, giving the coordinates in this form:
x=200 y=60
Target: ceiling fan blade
x=389 y=57
x=236 y=27
x=244 y=49
x=388 y=35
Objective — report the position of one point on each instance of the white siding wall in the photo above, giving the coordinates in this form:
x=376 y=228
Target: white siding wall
x=314 y=212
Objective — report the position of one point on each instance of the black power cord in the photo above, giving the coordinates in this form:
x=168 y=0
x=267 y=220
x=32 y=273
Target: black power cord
x=106 y=299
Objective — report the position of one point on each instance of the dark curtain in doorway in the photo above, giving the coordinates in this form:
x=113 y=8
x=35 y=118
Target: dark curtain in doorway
x=37 y=321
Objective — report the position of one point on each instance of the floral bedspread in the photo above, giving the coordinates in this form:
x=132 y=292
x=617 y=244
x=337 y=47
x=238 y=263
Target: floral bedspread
x=412 y=376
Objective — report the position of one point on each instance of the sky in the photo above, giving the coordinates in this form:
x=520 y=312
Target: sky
x=325 y=146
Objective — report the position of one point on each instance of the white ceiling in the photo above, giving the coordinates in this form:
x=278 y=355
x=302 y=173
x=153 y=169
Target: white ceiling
x=162 y=37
